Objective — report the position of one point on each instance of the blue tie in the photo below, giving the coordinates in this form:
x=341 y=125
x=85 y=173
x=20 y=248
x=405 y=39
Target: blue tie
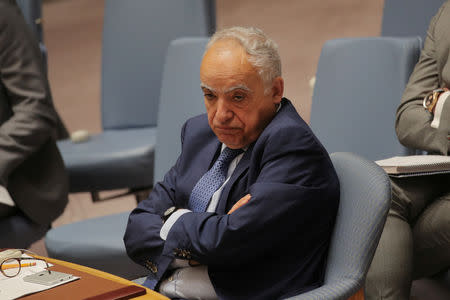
x=212 y=180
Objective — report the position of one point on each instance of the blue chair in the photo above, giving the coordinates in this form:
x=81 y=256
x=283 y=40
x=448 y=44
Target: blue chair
x=408 y=17
x=359 y=85
x=363 y=207
x=98 y=242
x=136 y=35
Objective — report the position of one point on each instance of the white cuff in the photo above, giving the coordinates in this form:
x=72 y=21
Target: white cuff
x=438 y=110
x=179 y=263
x=170 y=221
x=5 y=198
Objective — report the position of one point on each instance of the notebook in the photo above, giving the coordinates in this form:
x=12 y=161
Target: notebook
x=415 y=165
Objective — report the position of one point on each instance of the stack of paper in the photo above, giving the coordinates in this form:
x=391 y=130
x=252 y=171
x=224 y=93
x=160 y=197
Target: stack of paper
x=15 y=287
x=415 y=165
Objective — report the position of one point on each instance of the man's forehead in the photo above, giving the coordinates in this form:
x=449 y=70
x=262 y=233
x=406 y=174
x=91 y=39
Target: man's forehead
x=226 y=52
x=225 y=89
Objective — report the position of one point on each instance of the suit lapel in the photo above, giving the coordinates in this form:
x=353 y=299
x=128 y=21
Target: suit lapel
x=240 y=169
x=208 y=155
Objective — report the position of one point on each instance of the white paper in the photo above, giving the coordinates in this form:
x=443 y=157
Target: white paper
x=438 y=110
x=414 y=160
x=15 y=287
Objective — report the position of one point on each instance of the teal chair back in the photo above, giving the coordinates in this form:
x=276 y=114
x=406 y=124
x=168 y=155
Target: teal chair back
x=359 y=84
x=364 y=203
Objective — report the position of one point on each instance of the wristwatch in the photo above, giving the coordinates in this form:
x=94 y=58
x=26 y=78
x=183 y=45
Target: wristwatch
x=168 y=213
x=430 y=100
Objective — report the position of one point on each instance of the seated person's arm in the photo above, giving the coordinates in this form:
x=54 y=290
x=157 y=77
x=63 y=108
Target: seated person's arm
x=142 y=237
x=413 y=121
x=27 y=116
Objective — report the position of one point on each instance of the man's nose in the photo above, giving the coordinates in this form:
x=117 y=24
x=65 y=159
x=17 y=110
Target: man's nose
x=223 y=113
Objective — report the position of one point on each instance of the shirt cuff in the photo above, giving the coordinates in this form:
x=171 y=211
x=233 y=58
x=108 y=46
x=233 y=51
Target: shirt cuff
x=5 y=198
x=170 y=221
x=179 y=263
x=439 y=108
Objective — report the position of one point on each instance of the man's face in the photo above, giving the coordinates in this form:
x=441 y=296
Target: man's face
x=238 y=109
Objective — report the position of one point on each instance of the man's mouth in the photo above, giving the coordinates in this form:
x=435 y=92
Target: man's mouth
x=226 y=130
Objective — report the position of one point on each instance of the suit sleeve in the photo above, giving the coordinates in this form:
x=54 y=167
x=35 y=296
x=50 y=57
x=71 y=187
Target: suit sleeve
x=29 y=114
x=295 y=183
x=142 y=237
x=412 y=120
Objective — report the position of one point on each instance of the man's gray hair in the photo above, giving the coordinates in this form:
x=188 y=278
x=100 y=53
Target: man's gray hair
x=261 y=50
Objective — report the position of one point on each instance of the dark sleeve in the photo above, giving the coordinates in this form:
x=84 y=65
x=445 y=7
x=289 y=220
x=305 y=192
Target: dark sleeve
x=412 y=120
x=142 y=236
x=28 y=117
x=296 y=184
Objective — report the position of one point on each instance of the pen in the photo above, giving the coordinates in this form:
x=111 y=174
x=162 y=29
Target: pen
x=4 y=267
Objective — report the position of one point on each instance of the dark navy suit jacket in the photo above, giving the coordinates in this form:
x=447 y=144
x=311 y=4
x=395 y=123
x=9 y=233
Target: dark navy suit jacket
x=273 y=247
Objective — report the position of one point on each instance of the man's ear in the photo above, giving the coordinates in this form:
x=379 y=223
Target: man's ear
x=277 y=89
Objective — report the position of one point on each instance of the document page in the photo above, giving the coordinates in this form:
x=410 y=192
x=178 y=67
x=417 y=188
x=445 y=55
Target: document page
x=15 y=287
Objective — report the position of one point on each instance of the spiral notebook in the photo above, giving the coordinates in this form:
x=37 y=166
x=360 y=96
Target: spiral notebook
x=415 y=165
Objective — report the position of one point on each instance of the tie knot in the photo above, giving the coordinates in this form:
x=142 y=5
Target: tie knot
x=229 y=154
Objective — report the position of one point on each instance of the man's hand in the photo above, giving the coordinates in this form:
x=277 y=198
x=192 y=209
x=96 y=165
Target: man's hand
x=240 y=203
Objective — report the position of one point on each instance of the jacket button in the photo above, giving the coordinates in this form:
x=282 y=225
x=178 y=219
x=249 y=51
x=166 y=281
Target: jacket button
x=151 y=266
x=154 y=269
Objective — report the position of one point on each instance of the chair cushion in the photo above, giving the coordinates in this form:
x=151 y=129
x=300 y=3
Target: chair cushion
x=96 y=243
x=113 y=159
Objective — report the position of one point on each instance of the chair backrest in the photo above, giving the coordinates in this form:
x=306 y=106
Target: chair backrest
x=359 y=85
x=136 y=35
x=408 y=17
x=181 y=98
x=364 y=204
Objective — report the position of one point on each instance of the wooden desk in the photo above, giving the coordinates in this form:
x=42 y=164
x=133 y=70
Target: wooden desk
x=90 y=282
x=68 y=290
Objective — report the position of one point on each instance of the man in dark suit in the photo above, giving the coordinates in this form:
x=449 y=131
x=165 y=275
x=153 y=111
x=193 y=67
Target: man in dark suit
x=33 y=181
x=262 y=231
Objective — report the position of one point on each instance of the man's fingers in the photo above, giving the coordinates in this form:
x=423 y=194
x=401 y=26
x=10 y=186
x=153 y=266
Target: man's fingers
x=240 y=203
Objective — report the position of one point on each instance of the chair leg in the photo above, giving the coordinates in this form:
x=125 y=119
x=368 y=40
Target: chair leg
x=95 y=196
x=141 y=194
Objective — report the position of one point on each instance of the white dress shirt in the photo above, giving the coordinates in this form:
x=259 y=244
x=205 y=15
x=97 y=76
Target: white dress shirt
x=439 y=108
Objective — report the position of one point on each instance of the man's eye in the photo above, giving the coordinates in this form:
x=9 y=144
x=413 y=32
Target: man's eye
x=209 y=96
x=238 y=98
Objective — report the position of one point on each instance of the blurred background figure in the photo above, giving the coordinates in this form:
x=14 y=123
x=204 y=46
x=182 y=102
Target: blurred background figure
x=33 y=183
x=416 y=239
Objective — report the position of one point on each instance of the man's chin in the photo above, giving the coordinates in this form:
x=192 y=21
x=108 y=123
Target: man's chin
x=230 y=143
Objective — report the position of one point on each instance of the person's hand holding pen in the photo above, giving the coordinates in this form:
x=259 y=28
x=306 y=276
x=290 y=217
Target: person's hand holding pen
x=244 y=200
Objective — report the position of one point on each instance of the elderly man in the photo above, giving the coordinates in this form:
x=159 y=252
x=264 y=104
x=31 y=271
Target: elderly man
x=248 y=209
